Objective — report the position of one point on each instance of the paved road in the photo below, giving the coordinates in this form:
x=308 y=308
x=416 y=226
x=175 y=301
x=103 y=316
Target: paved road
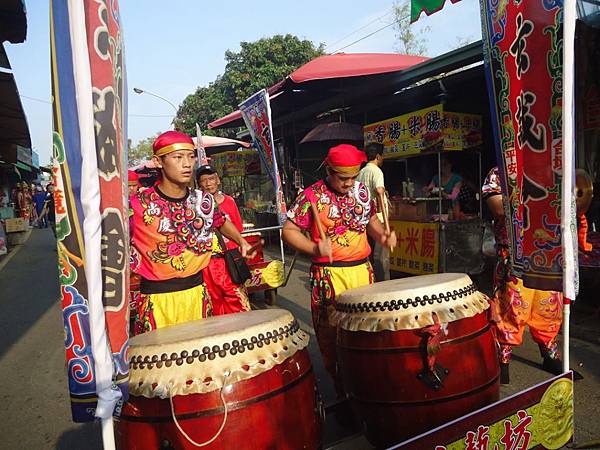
x=33 y=389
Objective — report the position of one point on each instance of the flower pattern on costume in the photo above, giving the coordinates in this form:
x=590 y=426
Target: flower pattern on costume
x=172 y=238
x=513 y=305
x=344 y=217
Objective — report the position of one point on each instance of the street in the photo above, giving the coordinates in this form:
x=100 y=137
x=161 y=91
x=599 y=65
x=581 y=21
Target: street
x=34 y=394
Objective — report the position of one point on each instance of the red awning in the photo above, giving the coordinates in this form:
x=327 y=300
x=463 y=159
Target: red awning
x=343 y=65
x=231 y=117
x=339 y=65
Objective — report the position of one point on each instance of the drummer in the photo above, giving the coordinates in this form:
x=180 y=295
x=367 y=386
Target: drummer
x=171 y=238
x=227 y=297
x=341 y=260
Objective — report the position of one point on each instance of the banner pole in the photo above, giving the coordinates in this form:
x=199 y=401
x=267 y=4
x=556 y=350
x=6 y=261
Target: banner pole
x=568 y=208
x=108 y=434
x=566 y=334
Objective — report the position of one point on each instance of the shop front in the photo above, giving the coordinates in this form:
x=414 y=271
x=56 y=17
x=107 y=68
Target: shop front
x=438 y=224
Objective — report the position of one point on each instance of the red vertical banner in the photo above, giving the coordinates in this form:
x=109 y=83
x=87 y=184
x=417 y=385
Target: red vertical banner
x=89 y=118
x=523 y=58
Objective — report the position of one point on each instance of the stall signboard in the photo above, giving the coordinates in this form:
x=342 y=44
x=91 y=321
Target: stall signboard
x=523 y=57
x=538 y=417
x=236 y=163
x=418 y=247
x=425 y=129
x=24 y=155
x=256 y=112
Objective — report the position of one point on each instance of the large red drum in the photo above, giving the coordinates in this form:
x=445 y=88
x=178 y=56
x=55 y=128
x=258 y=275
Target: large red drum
x=415 y=353
x=240 y=381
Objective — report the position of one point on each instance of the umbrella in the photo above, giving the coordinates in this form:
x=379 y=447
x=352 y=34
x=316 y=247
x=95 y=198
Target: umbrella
x=215 y=141
x=335 y=131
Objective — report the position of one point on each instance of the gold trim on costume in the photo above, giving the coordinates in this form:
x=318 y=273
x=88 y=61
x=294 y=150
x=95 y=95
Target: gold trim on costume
x=173 y=148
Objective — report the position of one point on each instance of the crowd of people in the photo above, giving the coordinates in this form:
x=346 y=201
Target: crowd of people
x=31 y=202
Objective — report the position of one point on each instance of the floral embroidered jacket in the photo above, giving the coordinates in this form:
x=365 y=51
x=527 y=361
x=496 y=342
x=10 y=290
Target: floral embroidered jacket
x=171 y=238
x=344 y=218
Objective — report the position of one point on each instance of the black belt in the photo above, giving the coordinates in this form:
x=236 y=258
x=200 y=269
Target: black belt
x=217 y=255
x=341 y=263
x=170 y=285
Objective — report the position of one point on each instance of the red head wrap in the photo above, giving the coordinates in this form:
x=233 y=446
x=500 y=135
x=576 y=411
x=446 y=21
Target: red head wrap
x=345 y=158
x=171 y=141
x=132 y=177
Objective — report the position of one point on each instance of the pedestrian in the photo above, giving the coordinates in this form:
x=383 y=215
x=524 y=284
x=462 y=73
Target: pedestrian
x=372 y=177
x=171 y=228
x=340 y=261
x=514 y=306
x=39 y=198
x=21 y=201
x=48 y=212
x=227 y=296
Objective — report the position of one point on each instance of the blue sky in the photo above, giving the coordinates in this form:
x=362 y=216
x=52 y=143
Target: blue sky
x=171 y=50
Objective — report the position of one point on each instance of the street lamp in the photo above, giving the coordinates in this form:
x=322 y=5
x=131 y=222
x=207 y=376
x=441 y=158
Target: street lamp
x=142 y=91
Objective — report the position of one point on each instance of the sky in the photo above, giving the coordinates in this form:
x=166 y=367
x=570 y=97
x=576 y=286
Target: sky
x=172 y=50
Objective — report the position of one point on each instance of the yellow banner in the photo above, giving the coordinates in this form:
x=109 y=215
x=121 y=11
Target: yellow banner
x=414 y=132
x=418 y=247
x=236 y=163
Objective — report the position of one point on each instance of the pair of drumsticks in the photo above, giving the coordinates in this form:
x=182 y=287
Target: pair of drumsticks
x=322 y=235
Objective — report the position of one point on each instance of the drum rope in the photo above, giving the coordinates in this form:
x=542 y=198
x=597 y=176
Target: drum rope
x=211 y=440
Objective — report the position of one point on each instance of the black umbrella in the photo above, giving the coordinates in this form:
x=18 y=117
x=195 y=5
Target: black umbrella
x=335 y=131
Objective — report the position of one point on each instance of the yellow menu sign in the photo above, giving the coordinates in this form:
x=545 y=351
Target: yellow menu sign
x=418 y=247
x=414 y=132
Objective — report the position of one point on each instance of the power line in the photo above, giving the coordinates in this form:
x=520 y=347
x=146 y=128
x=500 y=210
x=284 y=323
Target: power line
x=35 y=99
x=361 y=28
x=150 y=115
x=371 y=34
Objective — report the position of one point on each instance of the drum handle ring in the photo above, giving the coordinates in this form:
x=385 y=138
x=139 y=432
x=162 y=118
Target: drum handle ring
x=211 y=440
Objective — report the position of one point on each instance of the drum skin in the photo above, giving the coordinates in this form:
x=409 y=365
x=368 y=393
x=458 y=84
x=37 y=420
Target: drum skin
x=277 y=409
x=380 y=374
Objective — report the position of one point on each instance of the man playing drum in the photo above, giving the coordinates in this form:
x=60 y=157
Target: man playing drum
x=171 y=229
x=345 y=213
x=227 y=297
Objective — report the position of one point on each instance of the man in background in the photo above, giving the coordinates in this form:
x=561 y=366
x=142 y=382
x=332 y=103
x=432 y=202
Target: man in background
x=371 y=176
x=227 y=297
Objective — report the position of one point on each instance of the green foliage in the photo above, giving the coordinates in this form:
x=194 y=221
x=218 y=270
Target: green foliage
x=141 y=152
x=409 y=41
x=257 y=65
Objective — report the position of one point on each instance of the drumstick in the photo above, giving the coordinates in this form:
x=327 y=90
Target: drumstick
x=322 y=235
x=386 y=221
x=254 y=247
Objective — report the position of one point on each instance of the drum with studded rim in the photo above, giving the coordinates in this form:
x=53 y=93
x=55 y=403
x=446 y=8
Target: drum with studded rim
x=239 y=381
x=415 y=353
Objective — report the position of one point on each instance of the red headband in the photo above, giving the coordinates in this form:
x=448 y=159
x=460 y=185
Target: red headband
x=345 y=158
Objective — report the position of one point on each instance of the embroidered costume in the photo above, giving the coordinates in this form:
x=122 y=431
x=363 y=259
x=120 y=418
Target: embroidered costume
x=171 y=242
x=513 y=305
x=344 y=218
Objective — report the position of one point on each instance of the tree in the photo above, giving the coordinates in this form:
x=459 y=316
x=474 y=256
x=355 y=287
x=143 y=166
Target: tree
x=141 y=152
x=257 y=65
x=409 y=42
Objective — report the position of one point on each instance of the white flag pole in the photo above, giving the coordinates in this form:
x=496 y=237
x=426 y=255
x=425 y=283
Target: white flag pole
x=568 y=218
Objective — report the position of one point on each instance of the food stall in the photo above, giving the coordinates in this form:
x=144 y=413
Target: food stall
x=242 y=178
x=434 y=234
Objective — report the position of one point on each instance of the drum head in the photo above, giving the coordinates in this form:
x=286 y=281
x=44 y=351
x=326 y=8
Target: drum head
x=203 y=355
x=409 y=303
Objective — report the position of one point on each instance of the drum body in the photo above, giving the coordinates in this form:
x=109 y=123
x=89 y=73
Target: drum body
x=276 y=408
x=397 y=391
